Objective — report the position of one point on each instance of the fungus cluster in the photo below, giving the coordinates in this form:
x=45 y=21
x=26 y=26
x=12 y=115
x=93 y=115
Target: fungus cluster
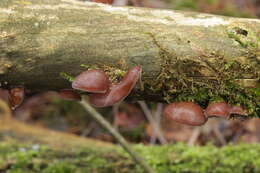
x=192 y=114
x=103 y=92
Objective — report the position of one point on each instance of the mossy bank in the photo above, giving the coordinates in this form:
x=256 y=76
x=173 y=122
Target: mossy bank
x=17 y=157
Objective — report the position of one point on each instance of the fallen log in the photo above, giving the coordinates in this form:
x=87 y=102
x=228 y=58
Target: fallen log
x=184 y=55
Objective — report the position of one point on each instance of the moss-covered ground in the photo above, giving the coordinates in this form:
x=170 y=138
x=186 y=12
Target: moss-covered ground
x=17 y=157
x=30 y=149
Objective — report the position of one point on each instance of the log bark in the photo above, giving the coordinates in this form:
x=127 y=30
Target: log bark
x=184 y=55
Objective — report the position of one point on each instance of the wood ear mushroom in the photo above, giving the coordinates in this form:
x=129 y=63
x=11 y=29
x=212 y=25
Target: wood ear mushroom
x=16 y=96
x=69 y=94
x=117 y=92
x=187 y=113
x=223 y=109
x=94 y=81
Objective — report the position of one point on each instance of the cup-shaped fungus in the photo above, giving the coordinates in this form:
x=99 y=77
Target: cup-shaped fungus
x=118 y=91
x=186 y=113
x=238 y=110
x=94 y=81
x=223 y=109
x=218 y=109
x=69 y=94
x=16 y=96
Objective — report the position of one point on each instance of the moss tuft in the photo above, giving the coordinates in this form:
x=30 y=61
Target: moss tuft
x=176 y=84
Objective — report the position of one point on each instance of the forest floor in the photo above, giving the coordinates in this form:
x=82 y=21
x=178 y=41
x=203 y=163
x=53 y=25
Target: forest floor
x=32 y=149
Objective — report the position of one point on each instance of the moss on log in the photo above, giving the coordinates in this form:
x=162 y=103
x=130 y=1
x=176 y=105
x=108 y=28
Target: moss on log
x=184 y=55
x=31 y=149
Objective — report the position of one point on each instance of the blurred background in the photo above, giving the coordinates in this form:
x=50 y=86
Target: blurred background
x=50 y=111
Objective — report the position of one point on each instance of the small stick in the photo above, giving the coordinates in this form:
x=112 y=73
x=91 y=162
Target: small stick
x=89 y=129
x=194 y=136
x=150 y=118
x=115 y=112
x=105 y=124
x=158 y=114
x=219 y=136
x=157 y=117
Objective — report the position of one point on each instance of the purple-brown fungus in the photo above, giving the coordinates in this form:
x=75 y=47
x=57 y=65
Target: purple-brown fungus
x=186 y=113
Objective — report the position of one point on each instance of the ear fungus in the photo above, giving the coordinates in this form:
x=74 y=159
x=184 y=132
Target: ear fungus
x=187 y=113
x=95 y=81
x=16 y=96
x=69 y=94
x=223 y=109
x=237 y=110
x=118 y=91
x=218 y=109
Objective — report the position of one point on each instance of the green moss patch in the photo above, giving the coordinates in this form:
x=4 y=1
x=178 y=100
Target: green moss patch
x=176 y=83
x=16 y=157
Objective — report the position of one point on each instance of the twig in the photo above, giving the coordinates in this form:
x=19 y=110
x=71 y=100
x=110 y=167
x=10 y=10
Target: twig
x=88 y=130
x=151 y=120
x=212 y=127
x=105 y=124
x=115 y=109
x=218 y=134
x=157 y=116
x=194 y=136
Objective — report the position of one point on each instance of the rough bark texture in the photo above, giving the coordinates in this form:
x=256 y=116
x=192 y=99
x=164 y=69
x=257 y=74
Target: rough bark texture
x=184 y=55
